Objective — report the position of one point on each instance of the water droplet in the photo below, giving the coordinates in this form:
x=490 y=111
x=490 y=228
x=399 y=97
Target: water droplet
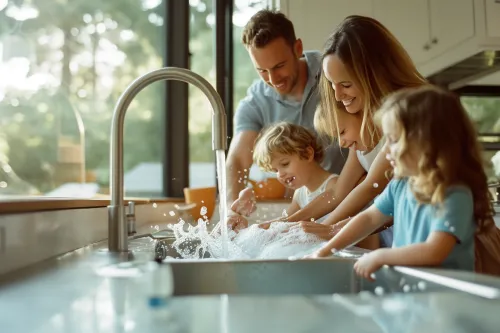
x=406 y=288
x=372 y=276
x=446 y=223
x=203 y=210
x=245 y=170
x=421 y=285
x=3 y=184
x=312 y=219
x=202 y=201
x=452 y=229
x=164 y=214
x=172 y=213
x=328 y=201
x=379 y=291
x=155 y=205
x=261 y=186
x=375 y=185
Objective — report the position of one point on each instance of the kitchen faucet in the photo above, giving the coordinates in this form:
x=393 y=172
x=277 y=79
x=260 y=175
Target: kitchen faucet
x=117 y=224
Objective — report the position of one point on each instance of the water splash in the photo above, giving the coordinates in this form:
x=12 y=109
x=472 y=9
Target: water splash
x=277 y=242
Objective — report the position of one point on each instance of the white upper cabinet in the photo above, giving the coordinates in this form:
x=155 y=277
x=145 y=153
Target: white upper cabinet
x=493 y=18
x=314 y=20
x=408 y=20
x=427 y=28
x=436 y=33
x=451 y=23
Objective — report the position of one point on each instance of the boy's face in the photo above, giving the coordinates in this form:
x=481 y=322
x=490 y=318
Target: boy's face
x=278 y=64
x=291 y=170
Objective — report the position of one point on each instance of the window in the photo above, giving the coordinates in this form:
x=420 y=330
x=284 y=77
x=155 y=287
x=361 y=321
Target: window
x=201 y=48
x=63 y=66
x=202 y=61
x=485 y=112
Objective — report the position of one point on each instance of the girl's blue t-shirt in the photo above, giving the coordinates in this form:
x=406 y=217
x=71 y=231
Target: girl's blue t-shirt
x=414 y=222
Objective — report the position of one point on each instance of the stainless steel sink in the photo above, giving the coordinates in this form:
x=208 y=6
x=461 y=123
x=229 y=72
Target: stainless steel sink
x=326 y=276
x=282 y=277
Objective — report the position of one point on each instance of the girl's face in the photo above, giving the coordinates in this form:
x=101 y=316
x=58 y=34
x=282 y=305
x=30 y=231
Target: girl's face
x=349 y=130
x=346 y=90
x=292 y=170
x=404 y=166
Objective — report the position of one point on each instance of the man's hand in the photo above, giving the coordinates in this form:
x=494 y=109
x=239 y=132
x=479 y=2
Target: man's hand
x=246 y=203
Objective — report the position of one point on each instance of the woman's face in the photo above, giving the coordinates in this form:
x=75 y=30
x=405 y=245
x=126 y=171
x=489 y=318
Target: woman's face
x=346 y=90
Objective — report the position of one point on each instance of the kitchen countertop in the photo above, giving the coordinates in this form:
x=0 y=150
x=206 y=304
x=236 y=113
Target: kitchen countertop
x=65 y=294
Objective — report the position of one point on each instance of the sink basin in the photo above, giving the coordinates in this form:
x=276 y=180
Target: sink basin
x=287 y=277
x=334 y=275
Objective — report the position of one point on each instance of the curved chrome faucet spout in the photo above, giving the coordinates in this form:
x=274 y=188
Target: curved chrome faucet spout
x=117 y=225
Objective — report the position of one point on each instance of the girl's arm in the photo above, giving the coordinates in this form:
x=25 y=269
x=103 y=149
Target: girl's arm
x=432 y=252
x=356 y=230
x=361 y=195
x=328 y=201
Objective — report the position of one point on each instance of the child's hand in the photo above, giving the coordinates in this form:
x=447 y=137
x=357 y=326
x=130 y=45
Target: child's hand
x=236 y=222
x=246 y=203
x=321 y=253
x=265 y=225
x=369 y=263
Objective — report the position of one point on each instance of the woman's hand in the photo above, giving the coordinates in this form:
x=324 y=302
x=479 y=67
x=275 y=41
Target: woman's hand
x=321 y=230
x=370 y=263
x=321 y=253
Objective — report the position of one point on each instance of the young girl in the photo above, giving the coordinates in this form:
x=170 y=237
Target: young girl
x=294 y=154
x=362 y=63
x=439 y=192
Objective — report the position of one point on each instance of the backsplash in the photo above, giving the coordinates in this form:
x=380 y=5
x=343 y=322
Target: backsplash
x=28 y=238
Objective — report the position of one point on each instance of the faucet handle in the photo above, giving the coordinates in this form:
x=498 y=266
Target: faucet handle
x=131 y=208
x=131 y=218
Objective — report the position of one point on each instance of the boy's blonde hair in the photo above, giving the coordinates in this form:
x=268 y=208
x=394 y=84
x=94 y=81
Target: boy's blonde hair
x=378 y=64
x=287 y=139
x=434 y=121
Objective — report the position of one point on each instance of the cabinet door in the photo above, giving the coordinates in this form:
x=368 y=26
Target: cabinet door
x=314 y=20
x=408 y=20
x=452 y=22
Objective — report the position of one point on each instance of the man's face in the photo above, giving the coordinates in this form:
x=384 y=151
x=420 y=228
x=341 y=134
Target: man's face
x=278 y=64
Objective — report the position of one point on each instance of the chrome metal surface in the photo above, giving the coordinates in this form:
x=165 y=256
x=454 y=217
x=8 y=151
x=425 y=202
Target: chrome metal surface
x=117 y=226
x=67 y=295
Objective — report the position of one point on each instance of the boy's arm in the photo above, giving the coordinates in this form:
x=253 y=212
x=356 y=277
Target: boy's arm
x=330 y=199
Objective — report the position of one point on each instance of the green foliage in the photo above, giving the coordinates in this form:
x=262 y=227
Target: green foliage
x=62 y=42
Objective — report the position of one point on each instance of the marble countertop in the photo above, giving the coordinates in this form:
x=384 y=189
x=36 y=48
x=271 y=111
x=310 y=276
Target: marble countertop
x=65 y=294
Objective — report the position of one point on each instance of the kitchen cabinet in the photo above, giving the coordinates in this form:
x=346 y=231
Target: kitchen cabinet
x=493 y=18
x=409 y=21
x=314 y=20
x=427 y=28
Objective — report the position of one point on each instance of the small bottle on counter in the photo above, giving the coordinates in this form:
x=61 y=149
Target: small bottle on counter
x=161 y=284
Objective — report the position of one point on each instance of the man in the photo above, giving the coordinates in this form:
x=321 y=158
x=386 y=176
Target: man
x=288 y=91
